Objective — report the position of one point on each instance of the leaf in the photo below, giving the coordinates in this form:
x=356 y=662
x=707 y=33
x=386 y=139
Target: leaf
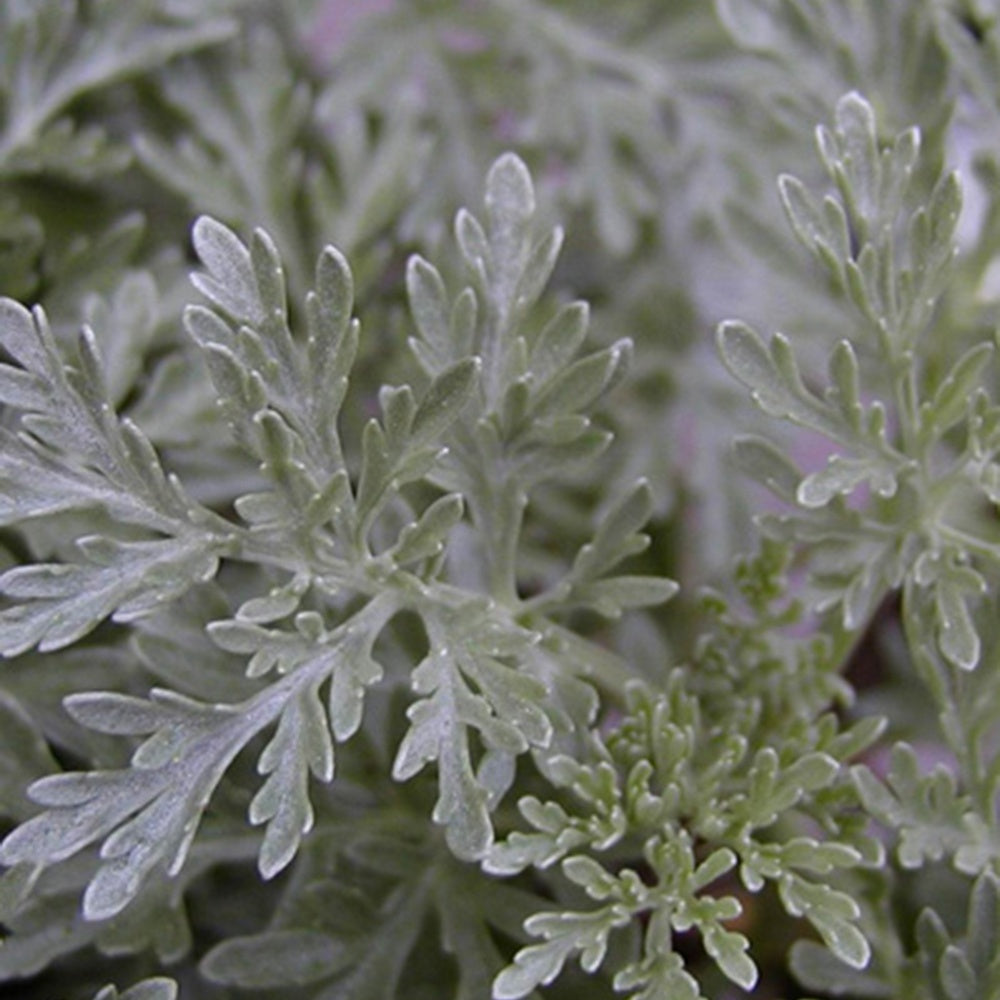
x=243 y=130
x=500 y=255
x=376 y=471
x=279 y=959
x=964 y=968
x=558 y=835
x=24 y=757
x=821 y=228
x=278 y=603
x=87 y=807
x=357 y=671
x=429 y=308
x=926 y=810
x=729 y=951
x=81 y=451
x=583 y=382
x=282 y=396
x=858 y=148
x=538 y=268
x=388 y=948
x=510 y=196
x=983 y=922
x=63 y=57
x=60 y=602
x=954 y=584
x=950 y=401
x=337 y=536
x=612 y=596
x=379 y=172
x=772 y=375
x=426 y=537
x=364 y=962
x=820 y=970
x=816 y=856
x=229 y=282
x=768 y=465
x=25 y=339
x=957 y=977
x=404 y=447
x=473 y=242
x=146 y=815
x=592 y=877
x=344 y=655
x=300 y=745
x=958 y=636
x=157 y=988
x=842 y=476
x=539 y=461
x=16 y=885
x=436 y=734
x=831 y=912
x=125 y=326
x=617 y=536
x=564 y=934
x=444 y=401
x=331 y=330
x=560 y=340
x=504 y=706
x=660 y=974
x=469 y=907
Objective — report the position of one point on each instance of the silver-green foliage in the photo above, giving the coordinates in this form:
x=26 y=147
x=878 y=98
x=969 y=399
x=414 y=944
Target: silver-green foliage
x=326 y=531
x=339 y=661
x=321 y=529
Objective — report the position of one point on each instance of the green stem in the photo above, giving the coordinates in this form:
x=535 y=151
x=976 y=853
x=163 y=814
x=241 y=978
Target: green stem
x=506 y=517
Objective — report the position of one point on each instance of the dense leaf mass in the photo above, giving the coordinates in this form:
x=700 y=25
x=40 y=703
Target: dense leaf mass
x=387 y=609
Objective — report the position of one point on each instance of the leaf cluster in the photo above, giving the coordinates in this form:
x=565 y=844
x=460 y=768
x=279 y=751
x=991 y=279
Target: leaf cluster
x=343 y=656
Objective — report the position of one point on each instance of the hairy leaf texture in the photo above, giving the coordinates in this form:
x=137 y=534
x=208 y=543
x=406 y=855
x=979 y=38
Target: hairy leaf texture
x=359 y=409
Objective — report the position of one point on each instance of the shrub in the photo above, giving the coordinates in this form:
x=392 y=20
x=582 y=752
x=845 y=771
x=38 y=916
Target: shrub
x=381 y=619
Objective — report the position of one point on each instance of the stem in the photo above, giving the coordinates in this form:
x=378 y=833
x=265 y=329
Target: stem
x=503 y=558
x=947 y=686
